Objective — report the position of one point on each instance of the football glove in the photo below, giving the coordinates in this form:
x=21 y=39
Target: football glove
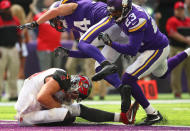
x=30 y=26
x=105 y=38
x=61 y=51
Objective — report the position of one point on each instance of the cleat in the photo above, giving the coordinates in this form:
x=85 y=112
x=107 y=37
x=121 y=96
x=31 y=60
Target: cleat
x=107 y=69
x=129 y=117
x=151 y=119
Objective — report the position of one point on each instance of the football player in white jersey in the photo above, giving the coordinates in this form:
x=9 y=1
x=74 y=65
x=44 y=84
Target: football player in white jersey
x=47 y=97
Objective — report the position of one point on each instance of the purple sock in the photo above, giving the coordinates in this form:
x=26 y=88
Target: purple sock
x=136 y=90
x=174 y=61
x=113 y=79
x=91 y=51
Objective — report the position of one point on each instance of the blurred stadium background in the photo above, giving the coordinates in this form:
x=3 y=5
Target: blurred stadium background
x=176 y=109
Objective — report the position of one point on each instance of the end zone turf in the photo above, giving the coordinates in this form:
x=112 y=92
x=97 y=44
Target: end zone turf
x=12 y=125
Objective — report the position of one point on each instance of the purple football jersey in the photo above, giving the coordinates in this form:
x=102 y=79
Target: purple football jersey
x=87 y=14
x=138 y=20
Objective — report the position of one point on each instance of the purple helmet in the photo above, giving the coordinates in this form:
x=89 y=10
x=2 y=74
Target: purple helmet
x=119 y=9
x=58 y=22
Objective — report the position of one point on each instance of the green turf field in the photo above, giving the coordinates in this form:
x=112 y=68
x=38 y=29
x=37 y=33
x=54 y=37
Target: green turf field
x=176 y=113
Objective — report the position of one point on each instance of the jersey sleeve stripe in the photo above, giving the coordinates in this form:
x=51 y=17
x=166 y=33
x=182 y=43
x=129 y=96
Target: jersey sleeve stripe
x=132 y=30
x=91 y=32
x=64 y=1
x=146 y=63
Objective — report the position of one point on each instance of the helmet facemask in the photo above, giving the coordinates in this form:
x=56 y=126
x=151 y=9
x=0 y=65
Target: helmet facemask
x=115 y=13
x=58 y=24
x=119 y=9
x=81 y=85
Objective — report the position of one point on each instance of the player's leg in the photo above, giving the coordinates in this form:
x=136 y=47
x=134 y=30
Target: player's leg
x=176 y=60
x=147 y=62
x=96 y=115
x=111 y=55
x=43 y=116
x=92 y=51
x=125 y=91
x=162 y=69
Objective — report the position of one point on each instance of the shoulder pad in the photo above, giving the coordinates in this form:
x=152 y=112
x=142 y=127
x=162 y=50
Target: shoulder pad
x=137 y=24
x=60 y=77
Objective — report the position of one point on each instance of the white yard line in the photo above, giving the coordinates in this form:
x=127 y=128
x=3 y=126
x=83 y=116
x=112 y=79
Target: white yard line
x=115 y=102
x=151 y=101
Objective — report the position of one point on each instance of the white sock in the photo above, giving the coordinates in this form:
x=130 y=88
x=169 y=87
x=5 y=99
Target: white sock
x=150 y=110
x=74 y=109
x=117 y=117
x=187 y=51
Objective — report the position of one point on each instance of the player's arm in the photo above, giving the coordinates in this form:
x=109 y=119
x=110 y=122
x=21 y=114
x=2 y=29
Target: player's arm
x=136 y=28
x=132 y=48
x=62 y=10
x=135 y=40
x=45 y=96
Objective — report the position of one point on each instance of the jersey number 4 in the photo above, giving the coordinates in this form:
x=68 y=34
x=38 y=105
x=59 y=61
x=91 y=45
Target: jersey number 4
x=83 y=25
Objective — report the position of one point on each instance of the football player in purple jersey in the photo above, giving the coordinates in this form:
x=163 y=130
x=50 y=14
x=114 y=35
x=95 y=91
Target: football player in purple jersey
x=146 y=39
x=83 y=16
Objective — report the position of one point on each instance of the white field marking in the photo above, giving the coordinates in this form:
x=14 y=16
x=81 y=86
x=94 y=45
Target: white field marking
x=114 y=102
x=181 y=109
x=119 y=102
x=7 y=103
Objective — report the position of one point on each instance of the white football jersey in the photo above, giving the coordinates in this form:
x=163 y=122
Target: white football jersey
x=27 y=100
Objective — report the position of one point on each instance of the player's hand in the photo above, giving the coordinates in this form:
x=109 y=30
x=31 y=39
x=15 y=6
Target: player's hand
x=61 y=51
x=105 y=38
x=30 y=26
x=71 y=95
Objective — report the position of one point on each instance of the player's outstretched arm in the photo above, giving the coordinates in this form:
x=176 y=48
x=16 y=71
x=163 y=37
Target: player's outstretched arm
x=62 y=10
